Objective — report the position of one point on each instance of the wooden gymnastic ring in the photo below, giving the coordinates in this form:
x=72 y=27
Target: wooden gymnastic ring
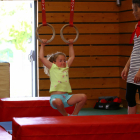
x=37 y=35
x=62 y=37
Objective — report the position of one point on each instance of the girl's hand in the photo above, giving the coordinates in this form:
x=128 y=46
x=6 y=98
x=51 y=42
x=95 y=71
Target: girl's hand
x=44 y=42
x=137 y=77
x=124 y=73
x=70 y=41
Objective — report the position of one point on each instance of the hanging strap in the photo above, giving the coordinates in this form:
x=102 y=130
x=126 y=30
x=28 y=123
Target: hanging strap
x=43 y=13
x=72 y=12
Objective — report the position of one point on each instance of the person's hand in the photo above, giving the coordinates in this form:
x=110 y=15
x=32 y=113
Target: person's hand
x=70 y=41
x=124 y=73
x=137 y=77
x=44 y=42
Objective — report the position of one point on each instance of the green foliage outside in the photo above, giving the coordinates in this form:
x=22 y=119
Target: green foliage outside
x=15 y=24
x=20 y=38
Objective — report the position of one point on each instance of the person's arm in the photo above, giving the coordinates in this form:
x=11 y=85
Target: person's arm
x=71 y=53
x=126 y=69
x=46 y=62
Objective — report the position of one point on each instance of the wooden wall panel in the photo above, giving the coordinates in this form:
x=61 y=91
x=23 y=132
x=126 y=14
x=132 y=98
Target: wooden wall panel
x=83 y=28
x=87 y=39
x=80 y=17
x=80 y=6
x=125 y=50
x=122 y=94
x=126 y=5
x=91 y=50
x=127 y=27
x=123 y=60
x=126 y=16
x=125 y=39
x=122 y=84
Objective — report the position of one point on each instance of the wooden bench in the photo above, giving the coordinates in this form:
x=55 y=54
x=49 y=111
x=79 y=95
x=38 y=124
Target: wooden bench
x=98 y=127
x=27 y=107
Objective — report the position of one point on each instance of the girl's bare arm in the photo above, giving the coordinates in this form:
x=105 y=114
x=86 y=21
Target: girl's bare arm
x=46 y=62
x=71 y=53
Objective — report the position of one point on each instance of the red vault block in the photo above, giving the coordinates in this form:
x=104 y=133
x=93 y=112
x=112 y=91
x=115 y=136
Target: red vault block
x=103 y=127
x=4 y=135
x=27 y=107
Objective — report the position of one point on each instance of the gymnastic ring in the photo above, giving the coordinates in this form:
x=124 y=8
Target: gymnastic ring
x=62 y=37
x=37 y=35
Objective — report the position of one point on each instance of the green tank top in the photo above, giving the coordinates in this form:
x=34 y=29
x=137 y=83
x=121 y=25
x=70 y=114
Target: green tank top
x=59 y=78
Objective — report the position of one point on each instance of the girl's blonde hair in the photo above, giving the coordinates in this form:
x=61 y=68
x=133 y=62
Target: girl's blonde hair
x=52 y=58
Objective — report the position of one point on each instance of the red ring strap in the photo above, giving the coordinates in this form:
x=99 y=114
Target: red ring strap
x=43 y=13
x=72 y=12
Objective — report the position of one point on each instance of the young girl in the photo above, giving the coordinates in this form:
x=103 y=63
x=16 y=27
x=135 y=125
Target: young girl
x=58 y=69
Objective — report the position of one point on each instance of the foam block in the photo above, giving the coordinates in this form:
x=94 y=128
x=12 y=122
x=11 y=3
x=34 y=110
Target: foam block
x=4 y=135
x=98 y=127
x=27 y=107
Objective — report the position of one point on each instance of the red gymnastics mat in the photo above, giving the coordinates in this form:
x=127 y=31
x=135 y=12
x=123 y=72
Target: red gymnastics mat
x=27 y=107
x=4 y=135
x=98 y=127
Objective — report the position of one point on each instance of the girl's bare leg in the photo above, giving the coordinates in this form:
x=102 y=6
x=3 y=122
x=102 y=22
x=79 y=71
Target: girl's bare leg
x=60 y=107
x=79 y=100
